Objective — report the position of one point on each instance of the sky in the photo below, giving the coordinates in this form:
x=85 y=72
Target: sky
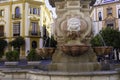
x=51 y=8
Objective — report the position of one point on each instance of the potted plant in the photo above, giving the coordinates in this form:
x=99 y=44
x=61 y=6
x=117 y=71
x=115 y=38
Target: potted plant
x=49 y=47
x=12 y=55
x=103 y=42
x=33 y=56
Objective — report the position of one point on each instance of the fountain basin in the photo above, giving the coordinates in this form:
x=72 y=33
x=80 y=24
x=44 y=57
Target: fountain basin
x=22 y=74
x=46 y=51
x=74 y=50
x=103 y=50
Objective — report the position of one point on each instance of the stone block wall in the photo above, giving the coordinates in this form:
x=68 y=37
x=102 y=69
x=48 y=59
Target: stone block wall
x=11 y=74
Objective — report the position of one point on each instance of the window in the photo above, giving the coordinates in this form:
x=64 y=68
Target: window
x=34 y=44
x=38 y=11
x=34 y=28
x=16 y=29
x=44 y=31
x=1 y=30
x=34 y=11
x=1 y=12
x=99 y=16
x=30 y=10
x=110 y=25
x=118 y=13
x=109 y=11
x=17 y=12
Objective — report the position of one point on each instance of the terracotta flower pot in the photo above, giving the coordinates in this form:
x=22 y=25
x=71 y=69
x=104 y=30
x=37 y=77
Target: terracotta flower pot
x=103 y=50
x=46 y=51
x=74 y=50
x=39 y=51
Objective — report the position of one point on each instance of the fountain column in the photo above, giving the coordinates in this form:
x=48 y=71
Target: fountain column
x=73 y=29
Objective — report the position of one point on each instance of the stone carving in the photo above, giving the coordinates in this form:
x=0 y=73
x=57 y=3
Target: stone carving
x=76 y=28
x=73 y=24
x=73 y=31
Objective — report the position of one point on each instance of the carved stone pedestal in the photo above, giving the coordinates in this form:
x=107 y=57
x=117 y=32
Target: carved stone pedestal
x=83 y=63
x=73 y=27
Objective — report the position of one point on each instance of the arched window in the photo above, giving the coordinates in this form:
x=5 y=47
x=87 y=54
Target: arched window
x=17 y=12
x=99 y=16
x=118 y=13
x=34 y=44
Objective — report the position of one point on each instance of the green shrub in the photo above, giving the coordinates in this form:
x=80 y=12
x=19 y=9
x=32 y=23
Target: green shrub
x=50 y=42
x=111 y=37
x=12 y=55
x=17 y=42
x=96 y=41
x=3 y=44
x=33 y=56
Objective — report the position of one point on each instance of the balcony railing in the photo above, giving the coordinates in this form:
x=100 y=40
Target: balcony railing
x=2 y=34
x=18 y=34
x=31 y=33
x=16 y=16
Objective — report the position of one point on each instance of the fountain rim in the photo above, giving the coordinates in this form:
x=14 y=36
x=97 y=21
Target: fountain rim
x=82 y=45
x=62 y=73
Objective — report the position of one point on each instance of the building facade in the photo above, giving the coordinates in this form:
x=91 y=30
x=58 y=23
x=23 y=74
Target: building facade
x=30 y=19
x=106 y=13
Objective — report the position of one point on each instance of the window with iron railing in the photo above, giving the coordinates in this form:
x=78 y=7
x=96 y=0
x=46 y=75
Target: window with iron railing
x=34 y=30
x=16 y=29
x=17 y=13
x=16 y=16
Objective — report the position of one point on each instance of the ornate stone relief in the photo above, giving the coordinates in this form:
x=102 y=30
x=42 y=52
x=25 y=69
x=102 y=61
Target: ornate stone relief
x=73 y=24
x=34 y=18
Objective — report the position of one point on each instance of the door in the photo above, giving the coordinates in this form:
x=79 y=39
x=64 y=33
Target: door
x=1 y=30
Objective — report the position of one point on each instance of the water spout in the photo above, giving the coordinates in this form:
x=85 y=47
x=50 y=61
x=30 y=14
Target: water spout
x=45 y=42
x=104 y=44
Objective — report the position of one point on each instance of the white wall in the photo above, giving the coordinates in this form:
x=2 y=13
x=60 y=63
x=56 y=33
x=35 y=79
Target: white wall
x=27 y=45
x=5 y=20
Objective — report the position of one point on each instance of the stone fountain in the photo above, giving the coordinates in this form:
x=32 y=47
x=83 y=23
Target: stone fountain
x=74 y=59
x=73 y=31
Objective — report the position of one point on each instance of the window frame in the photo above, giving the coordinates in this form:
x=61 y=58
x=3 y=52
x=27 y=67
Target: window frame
x=118 y=13
x=16 y=29
x=34 y=29
x=99 y=16
x=109 y=11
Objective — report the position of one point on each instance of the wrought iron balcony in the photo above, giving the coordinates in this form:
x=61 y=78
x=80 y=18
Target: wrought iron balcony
x=18 y=34
x=31 y=33
x=16 y=16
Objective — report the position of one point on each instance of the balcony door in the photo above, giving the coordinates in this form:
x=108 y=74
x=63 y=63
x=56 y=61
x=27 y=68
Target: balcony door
x=34 y=28
x=1 y=30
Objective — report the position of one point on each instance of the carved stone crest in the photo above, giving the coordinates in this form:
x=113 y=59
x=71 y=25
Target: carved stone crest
x=73 y=24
